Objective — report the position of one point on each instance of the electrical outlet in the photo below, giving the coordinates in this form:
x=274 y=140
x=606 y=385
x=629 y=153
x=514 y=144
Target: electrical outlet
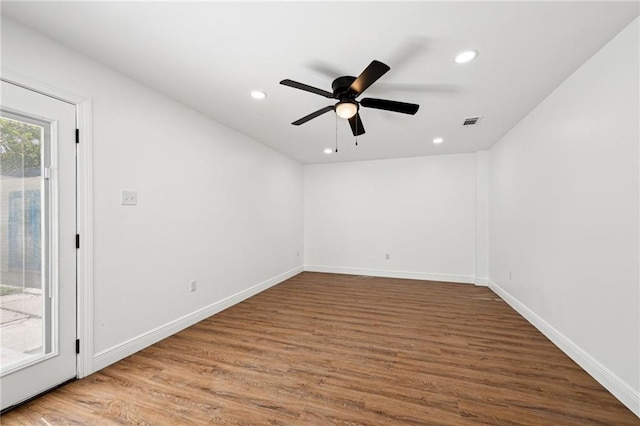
x=386 y=256
x=193 y=285
x=129 y=198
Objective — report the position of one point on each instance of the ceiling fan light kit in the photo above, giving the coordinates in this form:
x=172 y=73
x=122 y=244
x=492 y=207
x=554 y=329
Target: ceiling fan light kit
x=346 y=109
x=346 y=89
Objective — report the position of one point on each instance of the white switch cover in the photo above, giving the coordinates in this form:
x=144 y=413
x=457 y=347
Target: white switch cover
x=129 y=198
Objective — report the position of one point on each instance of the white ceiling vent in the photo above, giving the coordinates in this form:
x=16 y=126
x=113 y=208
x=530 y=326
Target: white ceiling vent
x=471 y=121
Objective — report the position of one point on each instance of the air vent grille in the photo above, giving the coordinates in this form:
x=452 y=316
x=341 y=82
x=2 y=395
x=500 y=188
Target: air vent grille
x=471 y=121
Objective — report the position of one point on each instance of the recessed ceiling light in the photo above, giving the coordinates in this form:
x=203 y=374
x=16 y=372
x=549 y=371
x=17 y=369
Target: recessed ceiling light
x=257 y=94
x=438 y=140
x=466 y=56
x=328 y=150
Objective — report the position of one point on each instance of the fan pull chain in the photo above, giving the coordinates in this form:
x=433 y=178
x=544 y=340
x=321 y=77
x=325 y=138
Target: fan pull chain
x=357 y=128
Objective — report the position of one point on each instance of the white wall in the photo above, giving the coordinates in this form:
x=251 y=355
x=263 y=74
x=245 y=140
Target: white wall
x=421 y=211
x=482 y=217
x=213 y=205
x=564 y=192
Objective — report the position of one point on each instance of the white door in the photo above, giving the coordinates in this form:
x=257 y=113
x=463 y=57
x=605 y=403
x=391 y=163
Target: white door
x=37 y=243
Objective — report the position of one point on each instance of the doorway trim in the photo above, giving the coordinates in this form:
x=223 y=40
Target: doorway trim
x=84 y=211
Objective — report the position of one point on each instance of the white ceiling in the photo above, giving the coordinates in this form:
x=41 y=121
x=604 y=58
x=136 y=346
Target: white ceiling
x=210 y=55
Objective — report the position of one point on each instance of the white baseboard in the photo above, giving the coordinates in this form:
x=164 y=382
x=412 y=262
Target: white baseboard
x=131 y=346
x=467 y=279
x=481 y=281
x=614 y=384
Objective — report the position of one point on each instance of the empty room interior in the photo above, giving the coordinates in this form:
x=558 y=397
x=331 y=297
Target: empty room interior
x=320 y=213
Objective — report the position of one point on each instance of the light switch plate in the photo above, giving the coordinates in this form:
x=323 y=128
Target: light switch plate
x=129 y=198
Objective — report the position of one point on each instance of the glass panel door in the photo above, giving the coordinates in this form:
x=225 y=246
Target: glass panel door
x=37 y=243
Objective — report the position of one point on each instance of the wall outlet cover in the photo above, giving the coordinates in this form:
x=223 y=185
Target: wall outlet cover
x=129 y=198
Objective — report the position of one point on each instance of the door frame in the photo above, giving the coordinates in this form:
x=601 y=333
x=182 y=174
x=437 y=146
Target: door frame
x=84 y=211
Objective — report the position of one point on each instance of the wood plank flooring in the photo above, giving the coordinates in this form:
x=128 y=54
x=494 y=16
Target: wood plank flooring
x=323 y=349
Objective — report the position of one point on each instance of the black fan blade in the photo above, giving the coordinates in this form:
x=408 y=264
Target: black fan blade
x=307 y=88
x=312 y=115
x=386 y=105
x=356 y=125
x=373 y=72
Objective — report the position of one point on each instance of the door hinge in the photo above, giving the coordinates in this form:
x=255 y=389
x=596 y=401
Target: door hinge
x=77 y=241
x=47 y=173
x=77 y=135
x=77 y=346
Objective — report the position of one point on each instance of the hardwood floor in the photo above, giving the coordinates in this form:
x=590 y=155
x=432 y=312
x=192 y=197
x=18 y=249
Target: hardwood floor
x=322 y=349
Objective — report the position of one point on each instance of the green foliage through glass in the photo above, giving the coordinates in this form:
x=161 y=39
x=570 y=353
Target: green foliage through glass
x=20 y=145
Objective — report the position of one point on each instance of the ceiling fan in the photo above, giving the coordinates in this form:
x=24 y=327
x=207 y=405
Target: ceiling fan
x=346 y=89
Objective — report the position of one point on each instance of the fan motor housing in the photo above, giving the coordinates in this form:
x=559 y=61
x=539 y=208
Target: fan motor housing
x=341 y=86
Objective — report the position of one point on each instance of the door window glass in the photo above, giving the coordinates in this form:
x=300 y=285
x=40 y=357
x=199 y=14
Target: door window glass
x=24 y=295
